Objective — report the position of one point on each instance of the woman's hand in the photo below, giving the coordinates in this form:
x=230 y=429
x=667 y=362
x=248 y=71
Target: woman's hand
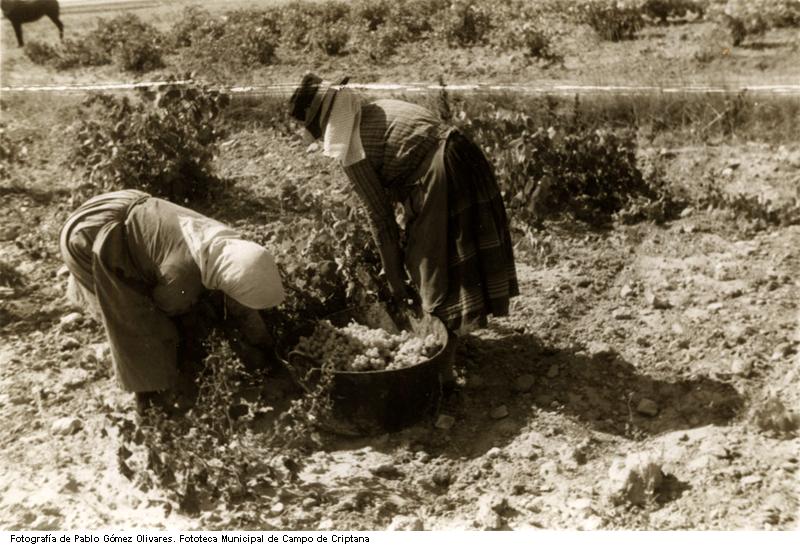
x=396 y=285
x=394 y=270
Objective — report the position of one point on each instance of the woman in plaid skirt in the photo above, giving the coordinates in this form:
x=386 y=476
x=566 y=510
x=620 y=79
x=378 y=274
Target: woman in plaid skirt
x=457 y=247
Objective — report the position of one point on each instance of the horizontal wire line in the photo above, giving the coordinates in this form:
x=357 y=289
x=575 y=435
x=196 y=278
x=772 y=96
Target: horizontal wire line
x=285 y=88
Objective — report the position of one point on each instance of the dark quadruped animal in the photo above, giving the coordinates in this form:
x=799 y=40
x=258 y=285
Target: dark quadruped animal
x=27 y=11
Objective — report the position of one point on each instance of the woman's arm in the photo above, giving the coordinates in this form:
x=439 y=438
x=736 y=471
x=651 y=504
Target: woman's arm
x=382 y=223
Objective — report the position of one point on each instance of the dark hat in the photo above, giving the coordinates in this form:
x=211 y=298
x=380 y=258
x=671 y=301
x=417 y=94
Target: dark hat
x=312 y=97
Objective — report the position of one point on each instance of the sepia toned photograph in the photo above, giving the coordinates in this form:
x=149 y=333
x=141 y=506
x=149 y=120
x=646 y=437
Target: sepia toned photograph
x=399 y=265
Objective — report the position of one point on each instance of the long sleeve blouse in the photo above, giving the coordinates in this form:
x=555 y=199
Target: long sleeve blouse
x=397 y=137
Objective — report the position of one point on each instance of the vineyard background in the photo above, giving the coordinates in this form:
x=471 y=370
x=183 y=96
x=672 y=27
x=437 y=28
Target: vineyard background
x=647 y=377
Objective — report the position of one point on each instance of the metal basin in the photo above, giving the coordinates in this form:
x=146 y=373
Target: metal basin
x=373 y=402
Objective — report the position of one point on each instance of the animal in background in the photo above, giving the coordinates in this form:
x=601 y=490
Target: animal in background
x=27 y=11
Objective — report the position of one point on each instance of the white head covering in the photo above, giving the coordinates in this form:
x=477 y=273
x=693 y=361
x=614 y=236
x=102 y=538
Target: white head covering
x=243 y=270
x=342 y=139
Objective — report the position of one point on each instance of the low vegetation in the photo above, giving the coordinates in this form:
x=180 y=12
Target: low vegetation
x=162 y=142
x=13 y=152
x=135 y=46
x=247 y=38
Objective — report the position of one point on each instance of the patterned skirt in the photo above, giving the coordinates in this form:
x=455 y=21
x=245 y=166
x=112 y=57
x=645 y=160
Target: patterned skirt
x=480 y=276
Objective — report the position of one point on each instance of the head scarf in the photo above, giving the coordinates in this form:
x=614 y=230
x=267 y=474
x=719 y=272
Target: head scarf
x=342 y=139
x=241 y=269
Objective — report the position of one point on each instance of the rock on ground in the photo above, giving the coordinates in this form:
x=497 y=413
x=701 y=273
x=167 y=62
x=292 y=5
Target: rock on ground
x=626 y=291
x=403 y=523
x=599 y=350
x=490 y=511
x=69 y=343
x=647 y=407
x=386 y=471
x=444 y=422
x=634 y=480
x=524 y=383
x=622 y=314
x=66 y=425
x=277 y=508
x=499 y=412
x=656 y=301
x=101 y=351
x=71 y=321
x=741 y=367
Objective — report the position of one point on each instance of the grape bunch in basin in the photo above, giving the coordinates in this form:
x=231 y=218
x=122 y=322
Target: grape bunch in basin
x=356 y=347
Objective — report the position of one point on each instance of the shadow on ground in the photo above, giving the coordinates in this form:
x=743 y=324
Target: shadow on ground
x=600 y=393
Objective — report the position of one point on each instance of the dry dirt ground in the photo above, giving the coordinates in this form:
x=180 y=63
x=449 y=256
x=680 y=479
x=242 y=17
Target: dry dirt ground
x=651 y=341
x=641 y=382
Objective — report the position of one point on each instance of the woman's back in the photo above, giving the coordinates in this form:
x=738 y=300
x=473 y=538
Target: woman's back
x=397 y=136
x=159 y=250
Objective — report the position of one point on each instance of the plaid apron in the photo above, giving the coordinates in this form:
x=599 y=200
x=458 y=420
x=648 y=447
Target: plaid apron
x=458 y=207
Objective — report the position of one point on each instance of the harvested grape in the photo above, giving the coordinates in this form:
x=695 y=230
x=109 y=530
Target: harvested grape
x=356 y=347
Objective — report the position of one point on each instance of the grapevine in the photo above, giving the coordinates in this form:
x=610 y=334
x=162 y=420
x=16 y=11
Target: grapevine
x=356 y=347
